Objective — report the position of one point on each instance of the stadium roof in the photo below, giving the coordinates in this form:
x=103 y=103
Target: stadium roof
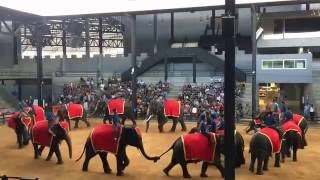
x=96 y=7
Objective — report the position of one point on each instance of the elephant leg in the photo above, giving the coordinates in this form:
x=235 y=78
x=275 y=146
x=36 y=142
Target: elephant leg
x=51 y=151
x=58 y=154
x=85 y=120
x=89 y=154
x=185 y=170
x=283 y=157
x=160 y=124
x=19 y=139
x=147 y=126
x=69 y=123
x=294 y=151
x=106 y=167
x=204 y=168
x=170 y=166
x=253 y=160
x=277 y=160
x=174 y=124
x=217 y=163
x=183 y=125
x=304 y=141
x=265 y=163
x=119 y=164
x=126 y=161
x=105 y=118
x=259 y=167
x=41 y=149
x=36 y=152
x=76 y=124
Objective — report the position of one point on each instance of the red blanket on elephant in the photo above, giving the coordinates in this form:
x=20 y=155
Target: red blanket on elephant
x=291 y=126
x=103 y=138
x=117 y=104
x=41 y=135
x=74 y=111
x=297 y=119
x=40 y=115
x=26 y=121
x=196 y=147
x=274 y=138
x=172 y=108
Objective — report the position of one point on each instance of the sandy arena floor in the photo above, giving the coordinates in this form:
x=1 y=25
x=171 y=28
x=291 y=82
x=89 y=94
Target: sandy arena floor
x=20 y=162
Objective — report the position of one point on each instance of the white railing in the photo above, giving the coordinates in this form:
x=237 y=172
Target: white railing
x=291 y=35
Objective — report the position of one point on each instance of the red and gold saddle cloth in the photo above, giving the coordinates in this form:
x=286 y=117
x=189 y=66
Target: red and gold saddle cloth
x=172 y=108
x=297 y=119
x=117 y=104
x=274 y=138
x=103 y=138
x=25 y=120
x=40 y=115
x=74 y=111
x=41 y=135
x=196 y=147
x=291 y=126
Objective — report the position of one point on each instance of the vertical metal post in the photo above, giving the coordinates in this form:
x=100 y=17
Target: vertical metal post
x=254 y=59
x=165 y=69
x=64 y=48
x=194 y=69
x=155 y=34
x=228 y=31
x=307 y=6
x=213 y=21
x=100 y=36
x=15 y=43
x=39 y=62
x=100 y=48
x=87 y=26
x=19 y=90
x=172 y=28
x=133 y=62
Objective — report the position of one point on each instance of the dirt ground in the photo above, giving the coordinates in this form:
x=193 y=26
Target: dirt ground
x=20 y=162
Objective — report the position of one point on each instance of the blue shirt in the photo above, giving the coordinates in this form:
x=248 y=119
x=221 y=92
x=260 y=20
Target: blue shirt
x=115 y=119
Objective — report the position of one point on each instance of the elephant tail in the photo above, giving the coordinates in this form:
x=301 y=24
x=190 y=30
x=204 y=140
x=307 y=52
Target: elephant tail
x=84 y=149
x=171 y=147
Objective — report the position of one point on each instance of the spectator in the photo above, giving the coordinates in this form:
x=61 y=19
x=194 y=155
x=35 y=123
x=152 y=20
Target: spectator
x=311 y=110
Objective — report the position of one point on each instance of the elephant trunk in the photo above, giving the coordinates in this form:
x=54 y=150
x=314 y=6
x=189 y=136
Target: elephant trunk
x=68 y=141
x=155 y=159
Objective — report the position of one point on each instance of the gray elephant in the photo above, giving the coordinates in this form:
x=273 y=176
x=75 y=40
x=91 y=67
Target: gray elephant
x=101 y=141
x=74 y=112
x=198 y=141
x=40 y=136
x=157 y=108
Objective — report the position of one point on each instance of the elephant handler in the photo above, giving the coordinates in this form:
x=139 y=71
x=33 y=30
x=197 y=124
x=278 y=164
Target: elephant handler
x=203 y=127
x=270 y=122
x=115 y=123
x=52 y=120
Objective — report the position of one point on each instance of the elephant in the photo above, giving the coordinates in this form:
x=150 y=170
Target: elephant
x=239 y=144
x=261 y=148
x=156 y=107
x=303 y=124
x=64 y=110
x=21 y=123
x=129 y=136
x=128 y=112
x=293 y=140
x=178 y=155
x=40 y=136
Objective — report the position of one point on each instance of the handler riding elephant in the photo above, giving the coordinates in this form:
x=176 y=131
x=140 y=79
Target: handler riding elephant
x=74 y=112
x=169 y=108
